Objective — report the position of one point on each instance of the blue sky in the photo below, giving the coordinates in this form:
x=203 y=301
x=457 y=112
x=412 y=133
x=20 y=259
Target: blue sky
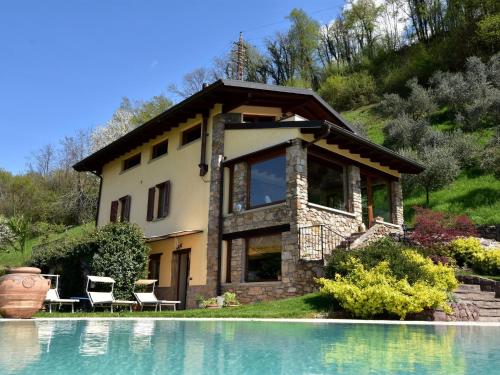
x=65 y=65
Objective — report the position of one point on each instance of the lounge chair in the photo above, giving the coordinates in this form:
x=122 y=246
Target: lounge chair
x=52 y=298
x=149 y=298
x=105 y=298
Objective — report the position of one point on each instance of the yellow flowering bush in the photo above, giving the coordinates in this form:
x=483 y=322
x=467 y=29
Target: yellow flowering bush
x=469 y=251
x=366 y=292
x=464 y=250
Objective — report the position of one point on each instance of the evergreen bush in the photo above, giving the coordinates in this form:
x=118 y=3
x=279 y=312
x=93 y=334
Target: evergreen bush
x=121 y=253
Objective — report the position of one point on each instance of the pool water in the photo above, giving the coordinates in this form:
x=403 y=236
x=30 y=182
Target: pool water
x=244 y=347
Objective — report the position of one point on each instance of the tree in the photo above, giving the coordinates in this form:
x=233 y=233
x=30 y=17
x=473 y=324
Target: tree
x=192 y=82
x=441 y=168
x=21 y=230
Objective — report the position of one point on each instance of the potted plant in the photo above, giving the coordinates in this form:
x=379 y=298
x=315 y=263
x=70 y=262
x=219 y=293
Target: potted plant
x=211 y=303
x=230 y=300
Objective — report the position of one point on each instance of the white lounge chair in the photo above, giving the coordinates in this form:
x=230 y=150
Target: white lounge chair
x=53 y=299
x=149 y=298
x=105 y=298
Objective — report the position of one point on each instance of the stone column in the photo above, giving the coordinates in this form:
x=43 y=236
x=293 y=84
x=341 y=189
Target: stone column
x=215 y=201
x=239 y=185
x=296 y=175
x=237 y=260
x=397 y=203
x=354 y=189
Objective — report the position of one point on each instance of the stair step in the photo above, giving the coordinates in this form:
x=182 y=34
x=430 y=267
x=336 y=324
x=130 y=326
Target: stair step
x=484 y=296
x=489 y=318
x=487 y=304
x=468 y=287
x=489 y=312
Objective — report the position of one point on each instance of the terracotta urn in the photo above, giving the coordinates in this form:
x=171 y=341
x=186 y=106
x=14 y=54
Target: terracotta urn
x=22 y=292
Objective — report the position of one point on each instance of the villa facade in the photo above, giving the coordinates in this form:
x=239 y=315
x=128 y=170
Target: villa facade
x=247 y=187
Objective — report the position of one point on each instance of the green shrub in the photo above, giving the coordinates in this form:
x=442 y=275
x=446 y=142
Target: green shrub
x=349 y=91
x=374 y=292
x=386 y=278
x=385 y=249
x=121 y=254
x=68 y=257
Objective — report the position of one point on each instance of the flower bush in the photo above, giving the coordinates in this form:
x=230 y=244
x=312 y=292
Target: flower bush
x=468 y=251
x=386 y=278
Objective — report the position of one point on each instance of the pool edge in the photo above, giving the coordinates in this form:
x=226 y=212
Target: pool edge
x=274 y=320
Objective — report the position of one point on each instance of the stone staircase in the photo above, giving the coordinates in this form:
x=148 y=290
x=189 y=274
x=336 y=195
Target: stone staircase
x=487 y=305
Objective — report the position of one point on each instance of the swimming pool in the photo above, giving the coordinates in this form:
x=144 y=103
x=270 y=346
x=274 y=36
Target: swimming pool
x=244 y=347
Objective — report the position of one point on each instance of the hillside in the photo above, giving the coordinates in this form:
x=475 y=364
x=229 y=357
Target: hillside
x=16 y=259
x=472 y=193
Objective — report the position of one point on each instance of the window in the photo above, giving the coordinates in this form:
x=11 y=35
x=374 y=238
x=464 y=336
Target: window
x=326 y=183
x=125 y=208
x=159 y=149
x=163 y=201
x=154 y=267
x=258 y=118
x=190 y=135
x=131 y=162
x=267 y=181
x=263 y=258
x=122 y=206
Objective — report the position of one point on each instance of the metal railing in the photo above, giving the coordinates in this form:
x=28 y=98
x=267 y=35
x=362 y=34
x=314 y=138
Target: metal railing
x=318 y=241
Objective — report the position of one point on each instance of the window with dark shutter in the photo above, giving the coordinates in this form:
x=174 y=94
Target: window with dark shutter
x=163 y=198
x=151 y=204
x=125 y=211
x=114 y=212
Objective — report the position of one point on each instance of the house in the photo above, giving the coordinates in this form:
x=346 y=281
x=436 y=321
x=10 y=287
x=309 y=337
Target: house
x=246 y=187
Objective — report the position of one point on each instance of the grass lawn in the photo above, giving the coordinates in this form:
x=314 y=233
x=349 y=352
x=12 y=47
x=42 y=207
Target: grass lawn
x=370 y=119
x=16 y=259
x=477 y=196
x=307 y=306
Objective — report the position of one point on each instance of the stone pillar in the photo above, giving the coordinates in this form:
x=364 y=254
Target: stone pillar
x=397 y=203
x=239 y=185
x=215 y=201
x=296 y=175
x=237 y=260
x=354 y=189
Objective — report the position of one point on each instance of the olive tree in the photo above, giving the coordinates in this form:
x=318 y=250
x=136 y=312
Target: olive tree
x=441 y=168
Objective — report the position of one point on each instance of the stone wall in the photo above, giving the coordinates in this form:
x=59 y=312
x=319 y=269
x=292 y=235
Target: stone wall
x=297 y=274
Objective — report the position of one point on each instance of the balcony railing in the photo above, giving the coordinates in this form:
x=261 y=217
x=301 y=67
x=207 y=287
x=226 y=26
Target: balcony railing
x=316 y=242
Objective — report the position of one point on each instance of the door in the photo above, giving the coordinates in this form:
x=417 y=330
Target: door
x=375 y=199
x=182 y=276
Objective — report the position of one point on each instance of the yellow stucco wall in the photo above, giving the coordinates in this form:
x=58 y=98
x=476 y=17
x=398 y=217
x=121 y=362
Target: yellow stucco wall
x=197 y=267
x=189 y=193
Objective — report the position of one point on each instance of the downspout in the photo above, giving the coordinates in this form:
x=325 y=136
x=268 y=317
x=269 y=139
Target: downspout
x=98 y=198
x=203 y=157
x=326 y=132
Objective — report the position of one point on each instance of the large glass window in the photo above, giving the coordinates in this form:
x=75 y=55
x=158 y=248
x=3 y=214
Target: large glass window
x=267 y=181
x=326 y=185
x=264 y=258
